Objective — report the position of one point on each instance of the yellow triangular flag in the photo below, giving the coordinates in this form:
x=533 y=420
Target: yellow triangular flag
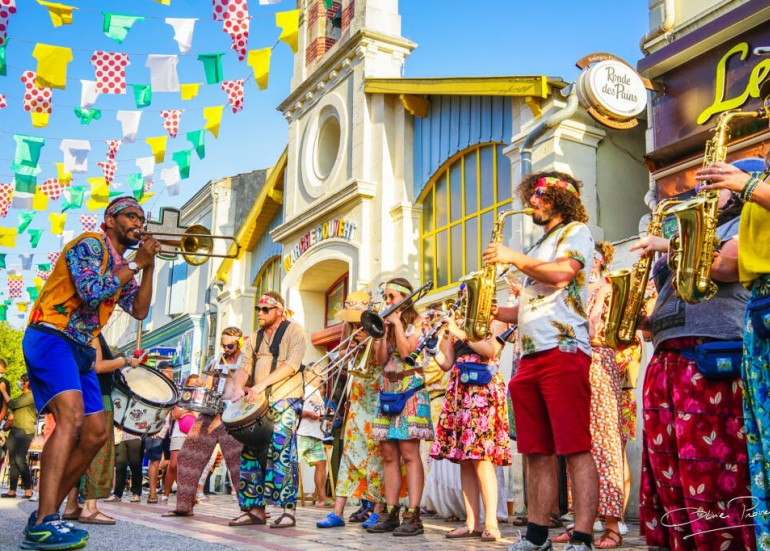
x=65 y=178
x=259 y=61
x=158 y=145
x=39 y=201
x=38 y=281
x=22 y=306
x=164 y=2
x=60 y=14
x=8 y=237
x=189 y=91
x=145 y=197
x=289 y=23
x=100 y=194
x=57 y=222
x=39 y=120
x=213 y=116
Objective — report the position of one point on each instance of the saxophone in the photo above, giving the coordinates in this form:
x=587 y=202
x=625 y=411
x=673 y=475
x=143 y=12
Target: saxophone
x=481 y=287
x=693 y=248
x=628 y=288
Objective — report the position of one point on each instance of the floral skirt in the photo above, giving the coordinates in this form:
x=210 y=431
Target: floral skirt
x=474 y=422
x=627 y=415
x=413 y=423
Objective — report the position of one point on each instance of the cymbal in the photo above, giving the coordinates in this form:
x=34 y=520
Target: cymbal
x=215 y=372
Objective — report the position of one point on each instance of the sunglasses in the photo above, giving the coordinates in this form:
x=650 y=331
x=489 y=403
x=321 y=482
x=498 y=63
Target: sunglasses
x=390 y=297
x=229 y=345
x=134 y=217
x=265 y=309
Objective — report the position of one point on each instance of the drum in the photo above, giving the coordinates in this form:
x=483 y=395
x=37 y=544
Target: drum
x=142 y=398
x=251 y=424
x=202 y=400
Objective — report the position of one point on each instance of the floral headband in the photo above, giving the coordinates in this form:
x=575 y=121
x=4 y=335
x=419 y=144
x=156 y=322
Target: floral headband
x=549 y=181
x=267 y=300
x=120 y=204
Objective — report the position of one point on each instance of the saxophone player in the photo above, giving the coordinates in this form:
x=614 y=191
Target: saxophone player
x=550 y=392
x=694 y=450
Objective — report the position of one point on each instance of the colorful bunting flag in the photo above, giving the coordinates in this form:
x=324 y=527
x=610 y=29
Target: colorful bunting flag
x=110 y=68
x=129 y=121
x=26 y=261
x=88 y=222
x=142 y=95
x=234 y=91
x=3 y=60
x=182 y=159
x=22 y=306
x=114 y=146
x=14 y=285
x=164 y=2
x=6 y=197
x=189 y=91
x=236 y=23
x=37 y=100
x=100 y=194
x=136 y=183
x=34 y=237
x=8 y=237
x=27 y=154
x=51 y=65
x=60 y=14
x=213 y=116
x=73 y=198
x=117 y=26
x=289 y=23
x=171 y=177
x=33 y=292
x=198 y=140
x=3 y=312
x=24 y=183
x=183 y=32
x=53 y=256
x=39 y=201
x=75 y=155
x=88 y=93
x=87 y=115
x=212 y=66
x=146 y=165
x=7 y=9
x=163 y=75
x=52 y=189
x=25 y=219
x=108 y=168
x=259 y=61
x=64 y=177
x=2 y=260
x=171 y=119
x=57 y=225
x=158 y=146
x=3 y=103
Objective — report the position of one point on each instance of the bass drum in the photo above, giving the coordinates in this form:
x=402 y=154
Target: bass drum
x=251 y=423
x=142 y=398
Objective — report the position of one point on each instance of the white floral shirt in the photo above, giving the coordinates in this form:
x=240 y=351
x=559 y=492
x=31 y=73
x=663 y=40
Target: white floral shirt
x=550 y=317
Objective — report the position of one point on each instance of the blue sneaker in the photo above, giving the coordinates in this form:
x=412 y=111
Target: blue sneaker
x=32 y=521
x=331 y=521
x=52 y=534
x=371 y=521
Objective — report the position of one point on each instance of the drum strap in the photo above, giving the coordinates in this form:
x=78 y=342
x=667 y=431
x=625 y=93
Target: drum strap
x=274 y=349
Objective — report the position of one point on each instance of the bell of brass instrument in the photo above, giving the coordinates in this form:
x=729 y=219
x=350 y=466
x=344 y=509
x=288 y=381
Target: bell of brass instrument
x=628 y=288
x=481 y=287
x=195 y=244
x=692 y=250
x=360 y=365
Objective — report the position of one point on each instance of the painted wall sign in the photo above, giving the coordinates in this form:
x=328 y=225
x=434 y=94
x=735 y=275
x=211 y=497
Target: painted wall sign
x=340 y=228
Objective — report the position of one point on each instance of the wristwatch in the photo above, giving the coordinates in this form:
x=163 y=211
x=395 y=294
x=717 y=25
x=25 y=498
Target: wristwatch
x=132 y=266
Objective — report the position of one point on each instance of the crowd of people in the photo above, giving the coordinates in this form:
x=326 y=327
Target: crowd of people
x=424 y=402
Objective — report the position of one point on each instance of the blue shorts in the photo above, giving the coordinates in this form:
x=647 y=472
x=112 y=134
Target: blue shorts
x=52 y=366
x=153 y=448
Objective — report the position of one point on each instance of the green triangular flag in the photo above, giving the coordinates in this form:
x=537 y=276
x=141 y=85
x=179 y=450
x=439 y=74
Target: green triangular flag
x=27 y=154
x=73 y=198
x=33 y=292
x=25 y=219
x=3 y=67
x=136 y=183
x=44 y=267
x=87 y=115
x=212 y=65
x=182 y=159
x=34 y=237
x=25 y=183
x=116 y=26
x=142 y=95
x=3 y=312
x=196 y=138
x=2 y=260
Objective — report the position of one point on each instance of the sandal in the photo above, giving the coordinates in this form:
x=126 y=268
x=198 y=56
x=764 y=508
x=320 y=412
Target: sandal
x=611 y=538
x=491 y=534
x=95 y=519
x=520 y=520
x=452 y=518
x=250 y=519
x=564 y=537
x=465 y=533
x=555 y=521
x=277 y=522
x=152 y=498
x=74 y=515
x=177 y=514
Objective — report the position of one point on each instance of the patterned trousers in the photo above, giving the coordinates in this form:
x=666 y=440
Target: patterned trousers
x=278 y=482
x=205 y=434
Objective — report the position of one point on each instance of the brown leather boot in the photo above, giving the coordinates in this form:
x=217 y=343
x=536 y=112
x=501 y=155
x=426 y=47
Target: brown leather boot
x=412 y=525
x=388 y=521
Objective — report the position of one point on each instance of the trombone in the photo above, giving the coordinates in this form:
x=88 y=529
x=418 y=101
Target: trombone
x=195 y=244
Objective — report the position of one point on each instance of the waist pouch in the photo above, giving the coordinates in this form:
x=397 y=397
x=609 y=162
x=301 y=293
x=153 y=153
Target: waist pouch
x=759 y=311
x=476 y=373
x=83 y=354
x=393 y=403
x=717 y=359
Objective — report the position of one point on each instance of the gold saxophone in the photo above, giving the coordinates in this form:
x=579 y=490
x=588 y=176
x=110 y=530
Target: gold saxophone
x=692 y=250
x=628 y=288
x=481 y=286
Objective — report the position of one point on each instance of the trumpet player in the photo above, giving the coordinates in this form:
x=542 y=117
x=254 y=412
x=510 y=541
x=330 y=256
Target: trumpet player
x=550 y=392
x=681 y=407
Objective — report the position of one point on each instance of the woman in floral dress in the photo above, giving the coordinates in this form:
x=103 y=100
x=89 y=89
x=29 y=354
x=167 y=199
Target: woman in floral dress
x=473 y=426
x=399 y=434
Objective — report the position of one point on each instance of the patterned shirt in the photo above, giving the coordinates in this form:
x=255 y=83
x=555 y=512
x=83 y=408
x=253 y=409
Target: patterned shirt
x=551 y=317
x=84 y=263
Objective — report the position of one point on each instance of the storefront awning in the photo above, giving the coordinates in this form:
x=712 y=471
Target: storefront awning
x=266 y=204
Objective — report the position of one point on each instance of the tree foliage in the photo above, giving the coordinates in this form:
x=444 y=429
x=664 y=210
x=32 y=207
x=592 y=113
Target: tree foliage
x=10 y=351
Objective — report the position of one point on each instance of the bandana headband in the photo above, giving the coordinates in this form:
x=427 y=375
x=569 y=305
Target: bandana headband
x=400 y=288
x=120 y=204
x=267 y=300
x=549 y=181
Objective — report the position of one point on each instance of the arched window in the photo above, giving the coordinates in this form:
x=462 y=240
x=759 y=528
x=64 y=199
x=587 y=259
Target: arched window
x=268 y=279
x=459 y=207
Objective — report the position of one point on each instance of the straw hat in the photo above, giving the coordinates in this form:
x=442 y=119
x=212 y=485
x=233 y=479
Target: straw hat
x=355 y=304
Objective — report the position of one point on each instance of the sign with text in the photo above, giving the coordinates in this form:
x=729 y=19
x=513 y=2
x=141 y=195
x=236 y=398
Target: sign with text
x=613 y=93
x=339 y=228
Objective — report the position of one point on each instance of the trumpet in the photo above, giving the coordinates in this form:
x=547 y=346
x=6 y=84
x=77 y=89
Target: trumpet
x=195 y=244
x=374 y=323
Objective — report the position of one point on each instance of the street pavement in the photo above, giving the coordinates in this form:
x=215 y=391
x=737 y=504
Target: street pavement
x=140 y=527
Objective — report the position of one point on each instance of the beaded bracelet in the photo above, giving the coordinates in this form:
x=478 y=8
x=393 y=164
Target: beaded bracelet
x=748 y=189
x=750 y=192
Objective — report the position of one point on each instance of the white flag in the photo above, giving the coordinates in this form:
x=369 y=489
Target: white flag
x=75 y=155
x=88 y=93
x=171 y=178
x=183 y=32
x=130 y=122
x=146 y=165
x=163 y=75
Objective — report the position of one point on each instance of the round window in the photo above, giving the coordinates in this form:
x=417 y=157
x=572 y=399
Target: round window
x=328 y=144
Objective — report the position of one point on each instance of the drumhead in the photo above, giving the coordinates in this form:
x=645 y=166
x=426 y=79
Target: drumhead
x=241 y=410
x=149 y=385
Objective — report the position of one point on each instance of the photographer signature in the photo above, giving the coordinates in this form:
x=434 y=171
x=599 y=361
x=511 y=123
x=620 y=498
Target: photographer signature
x=745 y=513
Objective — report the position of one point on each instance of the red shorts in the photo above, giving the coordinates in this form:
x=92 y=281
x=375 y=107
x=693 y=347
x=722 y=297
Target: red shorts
x=551 y=397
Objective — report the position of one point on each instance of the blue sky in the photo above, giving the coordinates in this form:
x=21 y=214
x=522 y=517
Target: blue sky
x=485 y=37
